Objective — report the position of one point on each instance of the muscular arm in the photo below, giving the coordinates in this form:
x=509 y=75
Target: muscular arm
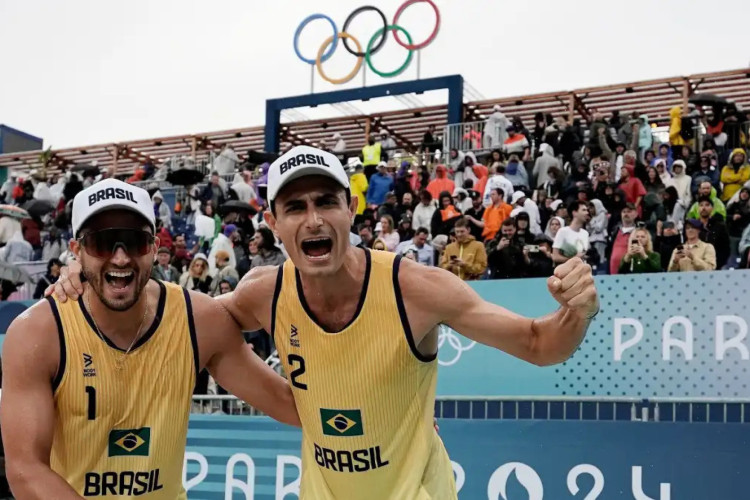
x=235 y=366
x=542 y=341
x=27 y=414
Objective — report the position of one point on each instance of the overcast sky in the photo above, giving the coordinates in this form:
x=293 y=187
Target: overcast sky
x=81 y=72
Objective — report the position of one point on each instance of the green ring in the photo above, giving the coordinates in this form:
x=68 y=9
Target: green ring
x=403 y=67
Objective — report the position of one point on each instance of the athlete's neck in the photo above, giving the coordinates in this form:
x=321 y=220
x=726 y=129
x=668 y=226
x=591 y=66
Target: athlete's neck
x=121 y=327
x=335 y=297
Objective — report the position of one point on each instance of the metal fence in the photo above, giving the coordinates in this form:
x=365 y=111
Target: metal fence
x=720 y=410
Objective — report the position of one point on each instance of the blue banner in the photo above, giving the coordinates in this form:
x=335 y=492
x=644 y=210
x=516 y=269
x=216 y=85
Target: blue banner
x=657 y=335
x=257 y=458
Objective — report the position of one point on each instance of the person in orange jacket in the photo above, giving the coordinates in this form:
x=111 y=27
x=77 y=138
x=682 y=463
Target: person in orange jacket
x=440 y=183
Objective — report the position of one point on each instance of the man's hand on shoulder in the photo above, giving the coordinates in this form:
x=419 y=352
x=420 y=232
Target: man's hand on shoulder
x=68 y=285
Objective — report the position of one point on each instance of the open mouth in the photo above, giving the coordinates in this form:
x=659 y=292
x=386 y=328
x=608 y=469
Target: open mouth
x=317 y=248
x=119 y=280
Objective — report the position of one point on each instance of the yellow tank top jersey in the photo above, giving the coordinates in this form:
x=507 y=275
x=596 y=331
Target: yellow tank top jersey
x=365 y=395
x=121 y=421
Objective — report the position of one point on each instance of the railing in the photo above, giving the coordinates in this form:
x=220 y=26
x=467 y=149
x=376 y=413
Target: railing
x=36 y=269
x=467 y=136
x=694 y=410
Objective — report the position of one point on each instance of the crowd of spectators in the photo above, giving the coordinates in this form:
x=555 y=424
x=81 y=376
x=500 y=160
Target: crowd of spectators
x=525 y=200
x=522 y=202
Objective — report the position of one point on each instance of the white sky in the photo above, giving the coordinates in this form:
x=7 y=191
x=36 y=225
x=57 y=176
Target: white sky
x=80 y=72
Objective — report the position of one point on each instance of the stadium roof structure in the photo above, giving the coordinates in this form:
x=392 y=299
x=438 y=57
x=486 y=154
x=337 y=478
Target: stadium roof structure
x=406 y=126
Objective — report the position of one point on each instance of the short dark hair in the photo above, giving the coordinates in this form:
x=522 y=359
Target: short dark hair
x=500 y=169
x=629 y=206
x=423 y=230
x=499 y=191
x=269 y=240
x=53 y=262
x=576 y=205
x=362 y=226
x=707 y=199
x=425 y=194
x=509 y=222
x=461 y=222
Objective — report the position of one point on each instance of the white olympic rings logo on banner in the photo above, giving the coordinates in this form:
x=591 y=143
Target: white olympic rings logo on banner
x=448 y=334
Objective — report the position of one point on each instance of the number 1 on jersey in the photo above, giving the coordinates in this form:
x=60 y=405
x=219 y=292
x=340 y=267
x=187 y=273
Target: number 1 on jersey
x=91 y=392
x=293 y=360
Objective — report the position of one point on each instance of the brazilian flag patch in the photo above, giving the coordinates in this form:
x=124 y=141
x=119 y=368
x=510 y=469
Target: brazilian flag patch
x=341 y=422
x=129 y=442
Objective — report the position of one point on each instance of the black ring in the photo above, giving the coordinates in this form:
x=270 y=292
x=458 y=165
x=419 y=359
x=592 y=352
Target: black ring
x=349 y=20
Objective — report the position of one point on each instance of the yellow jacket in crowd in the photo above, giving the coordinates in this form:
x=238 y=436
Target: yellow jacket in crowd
x=734 y=180
x=472 y=253
x=675 y=127
x=358 y=186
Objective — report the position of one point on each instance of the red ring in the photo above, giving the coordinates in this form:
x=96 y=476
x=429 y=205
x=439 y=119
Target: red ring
x=416 y=46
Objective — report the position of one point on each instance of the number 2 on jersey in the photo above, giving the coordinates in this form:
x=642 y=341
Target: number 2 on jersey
x=293 y=360
x=91 y=392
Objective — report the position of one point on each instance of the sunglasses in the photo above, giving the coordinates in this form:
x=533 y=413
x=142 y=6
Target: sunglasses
x=103 y=244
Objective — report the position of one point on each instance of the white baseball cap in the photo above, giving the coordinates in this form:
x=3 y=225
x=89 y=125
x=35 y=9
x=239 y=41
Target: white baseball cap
x=111 y=194
x=517 y=196
x=300 y=161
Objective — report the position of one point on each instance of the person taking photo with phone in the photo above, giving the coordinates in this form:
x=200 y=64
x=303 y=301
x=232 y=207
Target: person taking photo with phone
x=694 y=254
x=640 y=257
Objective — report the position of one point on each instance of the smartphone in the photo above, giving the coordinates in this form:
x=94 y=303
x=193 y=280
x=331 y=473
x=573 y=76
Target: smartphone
x=680 y=248
x=532 y=248
x=453 y=257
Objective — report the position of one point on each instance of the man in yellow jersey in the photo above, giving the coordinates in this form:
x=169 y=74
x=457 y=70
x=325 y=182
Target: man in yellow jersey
x=97 y=392
x=356 y=333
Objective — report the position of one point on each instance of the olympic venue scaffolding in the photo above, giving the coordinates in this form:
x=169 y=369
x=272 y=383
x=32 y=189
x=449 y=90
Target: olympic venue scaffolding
x=406 y=126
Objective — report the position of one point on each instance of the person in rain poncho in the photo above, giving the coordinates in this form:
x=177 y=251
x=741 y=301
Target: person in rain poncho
x=542 y=165
x=161 y=210
x=495 y=129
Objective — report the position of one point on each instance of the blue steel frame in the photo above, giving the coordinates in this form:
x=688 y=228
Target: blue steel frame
x=453 y=83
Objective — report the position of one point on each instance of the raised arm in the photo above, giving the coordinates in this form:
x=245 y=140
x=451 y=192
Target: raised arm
x=542 y=341
x=27 y=414
x=234 y=364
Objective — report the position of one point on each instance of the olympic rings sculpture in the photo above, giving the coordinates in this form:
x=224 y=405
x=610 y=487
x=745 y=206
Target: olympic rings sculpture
x=377 y=41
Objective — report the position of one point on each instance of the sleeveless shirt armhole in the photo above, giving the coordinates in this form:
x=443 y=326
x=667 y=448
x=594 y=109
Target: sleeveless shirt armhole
x=276 y=293
x=404 y=318
x=193 y=335
x=61 y=338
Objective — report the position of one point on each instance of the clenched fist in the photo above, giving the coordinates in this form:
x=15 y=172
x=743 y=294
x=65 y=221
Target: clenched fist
x=572 y=285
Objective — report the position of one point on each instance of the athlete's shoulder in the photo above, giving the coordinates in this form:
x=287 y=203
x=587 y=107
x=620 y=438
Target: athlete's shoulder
x=258 y=284
x=35 y=335
x=413 y=278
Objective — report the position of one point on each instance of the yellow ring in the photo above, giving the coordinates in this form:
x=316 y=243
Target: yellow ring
x=319 y=64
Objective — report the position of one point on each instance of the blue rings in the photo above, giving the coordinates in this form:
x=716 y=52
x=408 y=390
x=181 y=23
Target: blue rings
x=327 y=55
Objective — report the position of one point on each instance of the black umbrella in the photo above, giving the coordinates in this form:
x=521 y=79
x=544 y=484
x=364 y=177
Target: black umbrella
x=708 y=100
x=38 y=207
x=237 y=206
x=184 y=177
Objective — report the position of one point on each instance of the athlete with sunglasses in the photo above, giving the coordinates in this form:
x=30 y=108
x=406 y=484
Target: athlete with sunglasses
x=97 y=391
x=356 y=332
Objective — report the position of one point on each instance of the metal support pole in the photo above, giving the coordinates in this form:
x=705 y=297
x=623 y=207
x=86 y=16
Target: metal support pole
x=364 y=75
x=312 y=79
x=419 y=64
